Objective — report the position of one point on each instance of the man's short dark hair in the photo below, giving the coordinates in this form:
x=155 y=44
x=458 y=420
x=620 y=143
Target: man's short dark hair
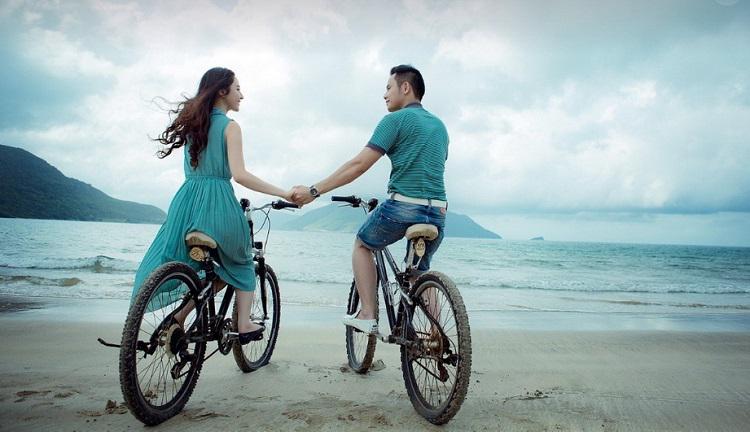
x=411 y=75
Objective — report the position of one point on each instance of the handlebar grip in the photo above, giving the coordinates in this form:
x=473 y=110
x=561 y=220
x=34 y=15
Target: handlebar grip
x=245 y=204
x=280 y=204
x=351 y=199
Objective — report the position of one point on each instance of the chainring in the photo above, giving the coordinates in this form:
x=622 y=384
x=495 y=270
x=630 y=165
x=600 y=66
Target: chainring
x=225 y=341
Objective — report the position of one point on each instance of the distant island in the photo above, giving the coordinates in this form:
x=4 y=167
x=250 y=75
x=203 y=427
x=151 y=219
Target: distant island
x=538 y=238
x=31 y=188
x=334 y=217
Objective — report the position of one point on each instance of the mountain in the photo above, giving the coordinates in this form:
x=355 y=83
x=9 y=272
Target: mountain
x=31 y=188
x=334 y=217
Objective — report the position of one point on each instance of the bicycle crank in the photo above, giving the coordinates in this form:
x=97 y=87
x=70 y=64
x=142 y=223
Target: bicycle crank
x=227 y=338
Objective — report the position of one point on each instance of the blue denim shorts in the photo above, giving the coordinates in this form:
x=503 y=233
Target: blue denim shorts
x=387 y=224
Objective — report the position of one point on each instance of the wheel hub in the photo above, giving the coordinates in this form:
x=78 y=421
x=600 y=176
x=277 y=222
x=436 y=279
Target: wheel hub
x=173 y=340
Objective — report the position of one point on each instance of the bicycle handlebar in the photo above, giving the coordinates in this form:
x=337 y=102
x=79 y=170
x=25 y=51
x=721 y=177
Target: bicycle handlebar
x=351 y=199
x=276 y=205
x=356 y=201
x=281 y=204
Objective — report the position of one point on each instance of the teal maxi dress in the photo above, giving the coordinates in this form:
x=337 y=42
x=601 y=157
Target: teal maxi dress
x=205 y=202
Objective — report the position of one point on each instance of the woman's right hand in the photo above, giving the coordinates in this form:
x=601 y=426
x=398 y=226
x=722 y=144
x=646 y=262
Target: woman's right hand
x=288 y=195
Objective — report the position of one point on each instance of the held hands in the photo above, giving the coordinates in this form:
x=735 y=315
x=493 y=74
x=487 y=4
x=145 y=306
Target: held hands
x=301 y=195
x=289 y=196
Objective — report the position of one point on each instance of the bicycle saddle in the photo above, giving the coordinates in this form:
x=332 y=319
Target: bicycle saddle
x=429 y=232
x=197 y=238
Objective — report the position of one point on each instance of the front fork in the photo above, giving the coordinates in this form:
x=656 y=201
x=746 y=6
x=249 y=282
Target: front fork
x=261 y=270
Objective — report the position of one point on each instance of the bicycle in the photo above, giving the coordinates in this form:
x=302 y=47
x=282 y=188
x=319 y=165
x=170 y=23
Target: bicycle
x=159 y=361
x=427 y=318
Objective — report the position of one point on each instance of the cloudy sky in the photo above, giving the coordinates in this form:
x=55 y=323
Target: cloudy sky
x=573 y=120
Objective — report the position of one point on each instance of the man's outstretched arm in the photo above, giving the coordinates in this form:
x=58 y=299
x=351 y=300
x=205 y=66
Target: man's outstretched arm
x=345 y=174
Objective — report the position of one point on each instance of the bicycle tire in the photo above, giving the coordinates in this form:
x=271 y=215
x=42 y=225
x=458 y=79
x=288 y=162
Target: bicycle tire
x=256 y=354
x=437 y=400
x=153 y=403
x=360 y=347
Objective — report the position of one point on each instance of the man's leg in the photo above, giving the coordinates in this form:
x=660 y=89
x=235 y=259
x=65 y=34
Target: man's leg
x=365 y=278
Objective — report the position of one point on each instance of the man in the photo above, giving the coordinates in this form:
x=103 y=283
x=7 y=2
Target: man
x=416 y=142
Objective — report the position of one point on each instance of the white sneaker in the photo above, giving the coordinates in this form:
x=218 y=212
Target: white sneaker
x=369 y=326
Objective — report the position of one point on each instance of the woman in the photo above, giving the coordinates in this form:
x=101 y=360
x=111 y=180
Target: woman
x=205 y=202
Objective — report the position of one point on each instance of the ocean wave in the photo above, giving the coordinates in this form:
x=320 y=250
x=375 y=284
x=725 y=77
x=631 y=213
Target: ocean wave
x=581 y=287
x=316 y=279
x=708 y=306
x=41 y=281
x=76 y=296
x=666 y=304
x=466 y=282
x=96 y=264
x=303 y=302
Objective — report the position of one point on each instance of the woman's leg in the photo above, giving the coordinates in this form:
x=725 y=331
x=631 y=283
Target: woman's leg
x=244 y=304
x=180 y=316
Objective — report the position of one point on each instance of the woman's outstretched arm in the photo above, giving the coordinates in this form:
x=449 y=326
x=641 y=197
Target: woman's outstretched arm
x=233 y=134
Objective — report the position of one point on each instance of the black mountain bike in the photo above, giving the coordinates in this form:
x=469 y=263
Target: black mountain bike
x=427 y=318
x=160 y=361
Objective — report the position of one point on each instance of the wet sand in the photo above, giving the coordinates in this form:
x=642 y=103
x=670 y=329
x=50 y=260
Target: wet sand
x=55 y=376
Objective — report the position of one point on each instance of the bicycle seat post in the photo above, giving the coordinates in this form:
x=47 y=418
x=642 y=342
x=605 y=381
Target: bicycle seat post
x=417 y=235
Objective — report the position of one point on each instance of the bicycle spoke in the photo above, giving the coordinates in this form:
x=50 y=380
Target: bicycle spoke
x=256 y=354
x=156 y=369
x=435 y=370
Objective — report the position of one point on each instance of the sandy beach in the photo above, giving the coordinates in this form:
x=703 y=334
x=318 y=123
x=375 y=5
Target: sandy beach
x=55 y=376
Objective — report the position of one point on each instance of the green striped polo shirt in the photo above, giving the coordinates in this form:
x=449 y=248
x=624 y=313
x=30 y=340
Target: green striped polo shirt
x=416 y=142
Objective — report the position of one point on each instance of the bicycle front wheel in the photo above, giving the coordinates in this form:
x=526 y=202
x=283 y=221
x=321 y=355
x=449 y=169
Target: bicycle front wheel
x=360 y=347
x=159 y=361
x=256 y=354
x=436 y=363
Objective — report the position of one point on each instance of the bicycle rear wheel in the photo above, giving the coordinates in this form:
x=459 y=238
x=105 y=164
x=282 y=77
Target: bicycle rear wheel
x=256 y=354
x=159 y=361
x=437 y=365
x=360 y=347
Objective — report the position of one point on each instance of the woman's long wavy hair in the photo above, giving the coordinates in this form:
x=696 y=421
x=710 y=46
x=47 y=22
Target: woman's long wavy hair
x=194 y=116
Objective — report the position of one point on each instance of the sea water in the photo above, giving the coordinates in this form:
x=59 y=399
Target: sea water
x=498 y=279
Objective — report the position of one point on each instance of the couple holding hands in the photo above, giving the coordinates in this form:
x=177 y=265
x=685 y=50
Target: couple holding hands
x=415 y=141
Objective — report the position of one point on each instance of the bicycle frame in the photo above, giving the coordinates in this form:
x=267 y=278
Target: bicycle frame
x=207 y=298
x=207 y=295
x=383 y=257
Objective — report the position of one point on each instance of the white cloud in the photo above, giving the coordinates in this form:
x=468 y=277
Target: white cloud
x=531 y=128
x=645 y=154
x=641 y=94
x=369 y=58
x=315 y=20
x=478 y=50
x=11 y=6
x=61 y=56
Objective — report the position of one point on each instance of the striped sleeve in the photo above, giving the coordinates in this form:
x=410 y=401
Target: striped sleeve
x=385 y=134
